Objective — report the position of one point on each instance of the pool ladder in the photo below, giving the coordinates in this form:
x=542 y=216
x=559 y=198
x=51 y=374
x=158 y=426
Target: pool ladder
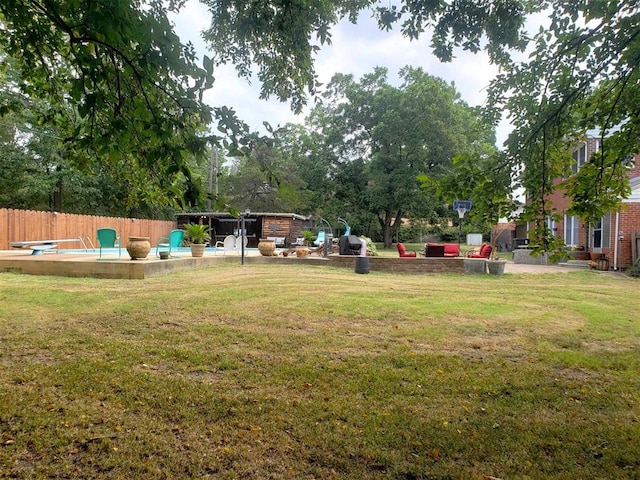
x=84 y=245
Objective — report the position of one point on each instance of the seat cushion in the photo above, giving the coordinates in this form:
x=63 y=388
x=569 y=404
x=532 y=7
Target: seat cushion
x=434 y=250
x=451 y=250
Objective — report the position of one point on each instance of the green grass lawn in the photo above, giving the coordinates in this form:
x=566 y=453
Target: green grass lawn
x=303 y=372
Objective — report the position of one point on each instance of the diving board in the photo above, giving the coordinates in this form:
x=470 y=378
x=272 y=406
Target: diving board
x=40 y=246
x=40 y=249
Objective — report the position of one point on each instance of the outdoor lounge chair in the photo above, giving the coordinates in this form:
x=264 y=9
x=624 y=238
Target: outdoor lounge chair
x=108 y=238
x=484 y=252
x=402 y=251
x=173 y=241
x=320 y=239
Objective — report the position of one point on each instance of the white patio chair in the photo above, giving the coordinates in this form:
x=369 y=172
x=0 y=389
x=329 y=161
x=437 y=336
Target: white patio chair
x=229 y=244
x=238 y=245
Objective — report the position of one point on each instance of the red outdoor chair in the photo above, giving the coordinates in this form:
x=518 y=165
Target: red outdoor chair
x=403 y=251
x=485 y=252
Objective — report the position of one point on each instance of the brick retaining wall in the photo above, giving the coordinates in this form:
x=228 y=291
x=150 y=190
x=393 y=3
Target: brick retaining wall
x=404 y=265
x=418 y=266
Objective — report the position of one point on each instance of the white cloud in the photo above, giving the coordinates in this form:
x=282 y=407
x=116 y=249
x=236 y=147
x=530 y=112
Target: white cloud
x=355 y=49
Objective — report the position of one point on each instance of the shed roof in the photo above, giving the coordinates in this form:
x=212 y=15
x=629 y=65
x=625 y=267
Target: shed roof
x=251 y=214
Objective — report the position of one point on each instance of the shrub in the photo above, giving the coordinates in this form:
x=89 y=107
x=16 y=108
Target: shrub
x=371 y=247
x=634 y=271
x=449 y=234
x=409 y=233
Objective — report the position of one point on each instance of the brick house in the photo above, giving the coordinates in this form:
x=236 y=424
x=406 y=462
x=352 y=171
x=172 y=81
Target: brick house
x=616 y=232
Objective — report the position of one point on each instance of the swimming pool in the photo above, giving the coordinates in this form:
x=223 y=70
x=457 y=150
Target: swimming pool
x=175 y=251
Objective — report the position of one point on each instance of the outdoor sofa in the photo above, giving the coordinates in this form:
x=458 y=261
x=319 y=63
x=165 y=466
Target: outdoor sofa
x=442 y=250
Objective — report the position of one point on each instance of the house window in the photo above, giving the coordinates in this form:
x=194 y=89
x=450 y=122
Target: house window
x=571 y=231
x=597 y=235
x=551 y=225
x=601 y=232
x=579 y=158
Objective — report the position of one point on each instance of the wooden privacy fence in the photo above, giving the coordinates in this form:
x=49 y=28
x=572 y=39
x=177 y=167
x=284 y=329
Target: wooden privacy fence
x=25 y=225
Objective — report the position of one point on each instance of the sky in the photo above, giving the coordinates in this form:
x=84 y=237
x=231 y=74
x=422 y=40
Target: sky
x=355 y=49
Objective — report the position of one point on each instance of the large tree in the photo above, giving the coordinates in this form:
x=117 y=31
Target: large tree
x=581 y=72
x=136 y=87
x=264 y=180
x=116 y=79
x=383 y=136
x=41 y=171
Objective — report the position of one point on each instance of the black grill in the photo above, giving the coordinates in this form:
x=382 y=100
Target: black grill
x=350 y=245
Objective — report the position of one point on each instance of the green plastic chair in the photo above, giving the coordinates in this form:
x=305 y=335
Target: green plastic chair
x=174 y=240
x=108 y=238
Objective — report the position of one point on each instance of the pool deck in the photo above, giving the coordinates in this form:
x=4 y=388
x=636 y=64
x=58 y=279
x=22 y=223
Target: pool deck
x=110 y=266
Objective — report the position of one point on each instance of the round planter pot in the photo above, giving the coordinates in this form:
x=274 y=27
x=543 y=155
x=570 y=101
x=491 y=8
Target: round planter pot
x=138 y=247
x=602 y=264
x=475 y=265
x=266 y=247
x=197 y=249
x=302 y=251
x=496 y=267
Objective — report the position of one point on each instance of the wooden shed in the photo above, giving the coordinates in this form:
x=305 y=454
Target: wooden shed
x=257 y=225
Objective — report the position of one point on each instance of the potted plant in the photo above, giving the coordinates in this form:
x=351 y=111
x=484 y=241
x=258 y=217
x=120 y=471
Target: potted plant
x=308 y=237
x=197 y=235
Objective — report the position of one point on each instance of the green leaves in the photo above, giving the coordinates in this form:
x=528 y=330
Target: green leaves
x=135 y=87
x=383 y=137
x=596 y=189
x=120 y=66
x=581 y=75
x=496 y=25
x=485 y=178
x=274 y=40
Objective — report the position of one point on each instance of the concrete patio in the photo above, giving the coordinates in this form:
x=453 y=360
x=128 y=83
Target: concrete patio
x=110 y=266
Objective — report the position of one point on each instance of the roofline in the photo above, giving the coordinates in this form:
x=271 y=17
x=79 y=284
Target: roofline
x=597 y=132
x=250 y=214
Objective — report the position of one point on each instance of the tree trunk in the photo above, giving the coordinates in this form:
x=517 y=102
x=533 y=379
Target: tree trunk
x=389 y=225
x=388 y=236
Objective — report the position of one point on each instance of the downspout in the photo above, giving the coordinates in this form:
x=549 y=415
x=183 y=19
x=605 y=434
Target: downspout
x=616 y=238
